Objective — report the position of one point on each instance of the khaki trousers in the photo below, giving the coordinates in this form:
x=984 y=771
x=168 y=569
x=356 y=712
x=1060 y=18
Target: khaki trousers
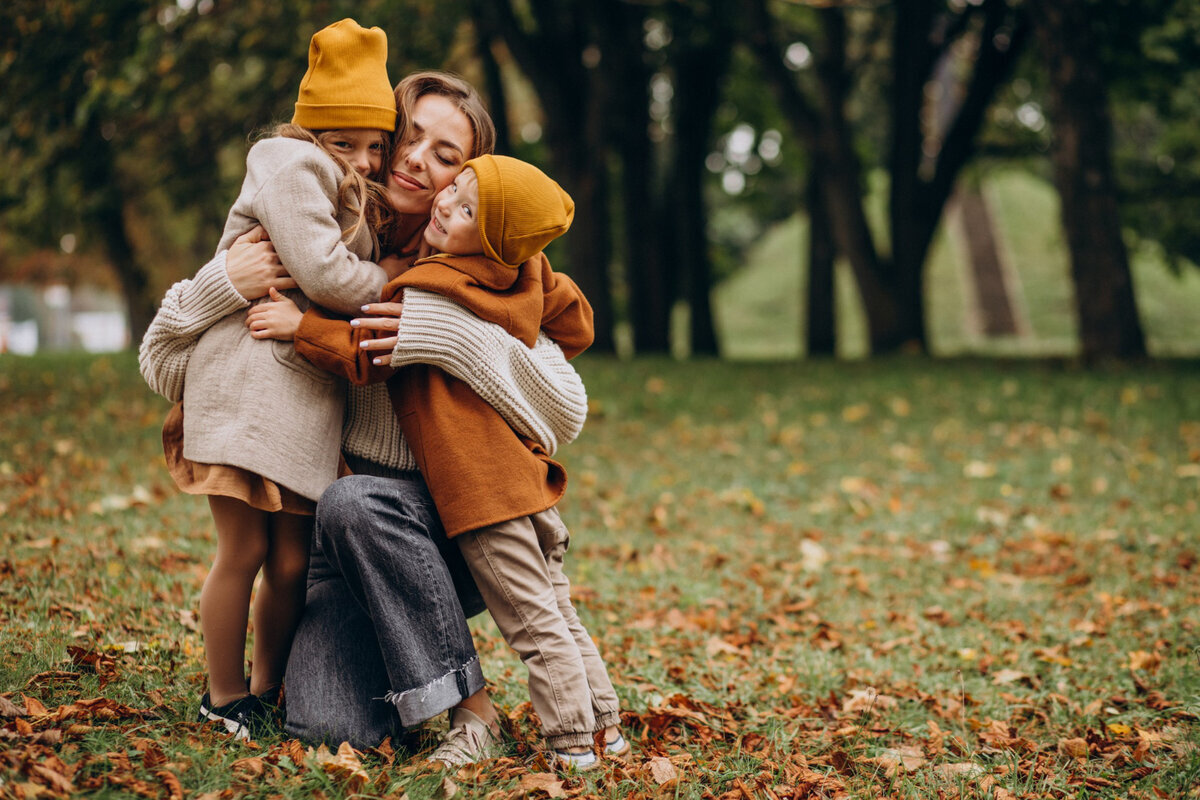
x=518 y=567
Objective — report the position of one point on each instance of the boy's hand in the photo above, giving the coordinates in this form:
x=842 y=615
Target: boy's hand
x=278 y=319
x=387 y=318
x=394 y=265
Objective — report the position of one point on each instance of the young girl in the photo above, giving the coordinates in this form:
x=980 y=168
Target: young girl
x=262 y=427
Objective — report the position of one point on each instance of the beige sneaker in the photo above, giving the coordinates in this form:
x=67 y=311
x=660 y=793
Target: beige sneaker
x=469 y=740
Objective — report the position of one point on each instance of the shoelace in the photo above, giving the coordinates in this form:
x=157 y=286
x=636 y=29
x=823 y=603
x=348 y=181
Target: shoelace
x=460 y=743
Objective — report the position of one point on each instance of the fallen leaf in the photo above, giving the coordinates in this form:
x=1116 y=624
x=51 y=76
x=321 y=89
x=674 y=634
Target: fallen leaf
x=1073 y=748
x=546 y=782
x=661 y=770
x=963 y=770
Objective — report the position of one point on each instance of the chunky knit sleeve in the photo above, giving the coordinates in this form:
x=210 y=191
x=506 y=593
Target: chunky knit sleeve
x=188 y=309
x=534 y=389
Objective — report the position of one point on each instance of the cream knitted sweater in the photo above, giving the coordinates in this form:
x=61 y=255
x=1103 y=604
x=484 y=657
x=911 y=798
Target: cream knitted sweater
x=536 y=390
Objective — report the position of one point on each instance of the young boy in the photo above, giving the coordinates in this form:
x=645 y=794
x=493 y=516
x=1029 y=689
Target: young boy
x=495 y=490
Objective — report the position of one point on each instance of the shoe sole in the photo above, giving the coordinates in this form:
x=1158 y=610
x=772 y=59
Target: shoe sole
x=238 y=730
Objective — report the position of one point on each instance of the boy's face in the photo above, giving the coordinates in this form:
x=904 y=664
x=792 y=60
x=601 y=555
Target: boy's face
x=453 y=225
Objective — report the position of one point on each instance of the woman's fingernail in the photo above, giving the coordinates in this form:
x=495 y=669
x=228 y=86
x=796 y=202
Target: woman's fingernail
x=377 y=361
x=363 y=345
x=354 y=323
x=364 y=308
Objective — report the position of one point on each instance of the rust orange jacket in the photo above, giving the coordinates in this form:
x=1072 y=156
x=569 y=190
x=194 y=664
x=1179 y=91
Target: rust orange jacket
x=479 y=471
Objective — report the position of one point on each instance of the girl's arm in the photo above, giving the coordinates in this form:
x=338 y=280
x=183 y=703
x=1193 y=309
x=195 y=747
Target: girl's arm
x=535 y=390
x=297 y=206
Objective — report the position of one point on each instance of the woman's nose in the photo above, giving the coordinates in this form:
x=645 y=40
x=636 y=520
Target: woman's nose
x=414 y=156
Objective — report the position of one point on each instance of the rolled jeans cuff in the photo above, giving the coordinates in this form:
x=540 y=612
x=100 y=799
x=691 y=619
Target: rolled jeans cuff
x=423 y=702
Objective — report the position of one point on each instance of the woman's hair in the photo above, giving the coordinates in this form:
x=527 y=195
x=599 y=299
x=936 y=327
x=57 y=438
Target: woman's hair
x=453 y=88
x=365 y=197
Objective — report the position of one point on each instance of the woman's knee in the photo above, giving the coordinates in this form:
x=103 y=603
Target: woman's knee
x=343 y=507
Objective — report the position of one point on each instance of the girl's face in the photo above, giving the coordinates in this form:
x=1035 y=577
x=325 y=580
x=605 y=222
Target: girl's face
x=441 y=141
x=453 y=226
x=361 y=147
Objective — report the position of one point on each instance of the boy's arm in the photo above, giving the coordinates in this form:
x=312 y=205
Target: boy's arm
x=537 y=392
x=566 y=314
x=188 y=309
x=330 y=343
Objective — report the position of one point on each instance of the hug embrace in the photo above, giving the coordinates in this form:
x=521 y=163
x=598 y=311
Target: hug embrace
x=370 y=381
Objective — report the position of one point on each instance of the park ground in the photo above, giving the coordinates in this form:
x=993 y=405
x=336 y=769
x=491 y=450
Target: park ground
x=902 y=578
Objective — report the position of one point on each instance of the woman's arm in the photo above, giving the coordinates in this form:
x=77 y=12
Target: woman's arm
x=247 y=270
x=536 y=390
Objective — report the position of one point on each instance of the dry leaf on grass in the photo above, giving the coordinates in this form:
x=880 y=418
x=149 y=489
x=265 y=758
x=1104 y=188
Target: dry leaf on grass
x=661 y=770
x=546 y=782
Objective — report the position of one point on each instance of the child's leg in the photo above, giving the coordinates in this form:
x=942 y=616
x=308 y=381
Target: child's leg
x=242 y=534
x=279 y=601
x=605 y=705
x=509 y=566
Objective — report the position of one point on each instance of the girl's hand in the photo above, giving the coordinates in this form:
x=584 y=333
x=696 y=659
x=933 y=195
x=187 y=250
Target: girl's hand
x=387 y=319
x=253 y=266
x=278 y=319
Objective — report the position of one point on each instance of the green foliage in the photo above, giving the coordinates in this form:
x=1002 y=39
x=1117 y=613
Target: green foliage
x=157 y=103
x=902 y=578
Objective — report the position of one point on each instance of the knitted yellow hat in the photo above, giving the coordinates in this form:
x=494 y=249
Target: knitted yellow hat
x=521 y=210
x=346 y=85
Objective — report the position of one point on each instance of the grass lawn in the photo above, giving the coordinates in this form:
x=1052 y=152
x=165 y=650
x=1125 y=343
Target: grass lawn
x=896 y=578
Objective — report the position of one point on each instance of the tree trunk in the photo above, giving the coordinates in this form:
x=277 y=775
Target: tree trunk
x=552 y=56
x=821 y=319
x=649 y=276
x=705 y=45
x=992 y=295
x=493 y=85
x=1082 y=155
x=104 y=213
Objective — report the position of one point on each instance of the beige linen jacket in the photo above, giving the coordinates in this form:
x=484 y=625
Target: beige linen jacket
x=255 y=403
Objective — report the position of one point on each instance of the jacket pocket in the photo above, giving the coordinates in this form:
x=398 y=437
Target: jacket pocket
x=285 y=353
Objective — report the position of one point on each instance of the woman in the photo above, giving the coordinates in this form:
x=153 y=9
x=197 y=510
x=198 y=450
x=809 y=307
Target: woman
x=383 y=643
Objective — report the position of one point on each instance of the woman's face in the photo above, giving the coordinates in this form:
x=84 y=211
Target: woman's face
x=441 y=142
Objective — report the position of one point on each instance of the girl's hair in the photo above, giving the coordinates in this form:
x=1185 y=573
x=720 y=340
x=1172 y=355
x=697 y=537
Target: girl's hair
x=363 y=196
x=453 y=88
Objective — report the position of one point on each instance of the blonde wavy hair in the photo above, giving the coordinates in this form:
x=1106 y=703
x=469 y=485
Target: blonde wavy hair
x=365 y=197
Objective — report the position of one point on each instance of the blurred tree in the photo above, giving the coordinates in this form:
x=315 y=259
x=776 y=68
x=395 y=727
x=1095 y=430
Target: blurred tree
x=555 y=45
x=1083 y=173
x=1151 y=51
x=126 y=122
x=593 y=65
x=922 y=164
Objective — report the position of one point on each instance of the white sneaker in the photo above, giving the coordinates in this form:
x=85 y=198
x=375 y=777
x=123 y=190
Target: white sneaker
x=573 y=762
x=469 y=740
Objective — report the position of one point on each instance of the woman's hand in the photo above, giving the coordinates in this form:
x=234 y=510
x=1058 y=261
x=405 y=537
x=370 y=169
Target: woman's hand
x=278 y=319
x=387 y=319
x=253 y=266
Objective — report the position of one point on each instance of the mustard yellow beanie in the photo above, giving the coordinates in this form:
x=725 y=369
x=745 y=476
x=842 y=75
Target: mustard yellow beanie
x=346 y=85
x=521 y=210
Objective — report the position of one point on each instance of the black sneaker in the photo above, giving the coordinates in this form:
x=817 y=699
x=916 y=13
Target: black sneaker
x=244 y=718
x=273 y=706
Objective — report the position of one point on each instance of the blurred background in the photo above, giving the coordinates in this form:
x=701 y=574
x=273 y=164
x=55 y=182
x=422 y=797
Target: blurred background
x=754 y=179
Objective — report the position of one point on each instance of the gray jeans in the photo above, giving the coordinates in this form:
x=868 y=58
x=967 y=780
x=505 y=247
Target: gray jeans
x=383 y=643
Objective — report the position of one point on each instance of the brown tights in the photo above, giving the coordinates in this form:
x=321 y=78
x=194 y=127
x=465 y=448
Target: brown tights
x=249 y=540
